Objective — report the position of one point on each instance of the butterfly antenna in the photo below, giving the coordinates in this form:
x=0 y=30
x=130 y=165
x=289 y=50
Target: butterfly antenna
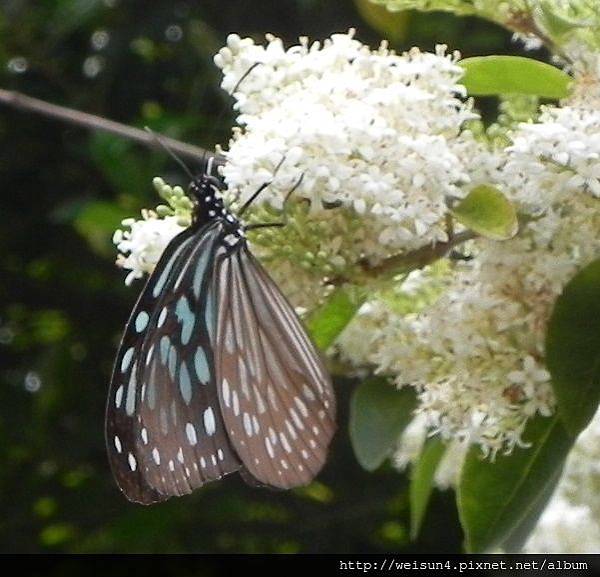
x=233 y=91
x=170 y=152
x=243 y=77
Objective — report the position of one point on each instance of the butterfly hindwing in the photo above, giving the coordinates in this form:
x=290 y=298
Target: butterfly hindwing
x=164 y=429
x=275 y=394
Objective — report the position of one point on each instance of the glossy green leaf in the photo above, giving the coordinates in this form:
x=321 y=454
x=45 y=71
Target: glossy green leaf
x=494 y=75
x=518 y=537
x=327 y=322
x=421 y=483
x=573 y=349
x=496 y=499
x=378 y=414
x=486 y=211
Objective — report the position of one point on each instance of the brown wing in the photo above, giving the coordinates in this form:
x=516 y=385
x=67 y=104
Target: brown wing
x=275 y=394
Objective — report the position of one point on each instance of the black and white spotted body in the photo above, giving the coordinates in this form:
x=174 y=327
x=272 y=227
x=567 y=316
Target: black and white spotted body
x=207 y=191
x=215 y=372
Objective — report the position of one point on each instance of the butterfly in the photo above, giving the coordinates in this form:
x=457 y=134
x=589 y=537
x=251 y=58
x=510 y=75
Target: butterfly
x=215 y=372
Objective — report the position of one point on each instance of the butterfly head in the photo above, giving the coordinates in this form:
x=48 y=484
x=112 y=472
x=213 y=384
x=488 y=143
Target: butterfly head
x=206 y=190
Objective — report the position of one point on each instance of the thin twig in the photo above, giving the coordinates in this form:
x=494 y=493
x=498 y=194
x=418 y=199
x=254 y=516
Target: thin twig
x=405 y=263
x=93 y=122
x=420 y=257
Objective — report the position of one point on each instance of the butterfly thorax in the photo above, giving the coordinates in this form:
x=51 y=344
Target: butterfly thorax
x=207 y=192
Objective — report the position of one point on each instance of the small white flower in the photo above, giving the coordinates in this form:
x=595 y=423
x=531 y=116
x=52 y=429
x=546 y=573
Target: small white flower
x=372 y=131
x=143 y=241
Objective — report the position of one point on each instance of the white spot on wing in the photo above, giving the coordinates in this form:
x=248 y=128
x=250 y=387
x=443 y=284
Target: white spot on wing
x=141 y=321
x=301 y=406
x=118 y=445
x=209 y=421
x=226 y=392
x=190 y=431
x=291 y=430
x=273 y=436
x=119 y=396
x=248 y=424
x=130 y=398
x=162 y=317
x=299 y=424
x=285 y=443
x=269 y=447
x=132 y=462
x=126 y=360
x=308 y=393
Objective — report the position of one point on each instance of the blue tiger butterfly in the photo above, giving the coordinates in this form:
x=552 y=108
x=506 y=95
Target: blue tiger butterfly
x=215 y=372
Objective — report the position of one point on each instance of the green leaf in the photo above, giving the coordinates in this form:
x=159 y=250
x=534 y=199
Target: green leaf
x=520 y=534
x=327 y=322
x=421 y=483
x=96 y=221
x=378 y=414
x=486 y=211
x=391 y=25
x=573 y=349
x=549 y=18
x=127 y=169
x=494 y=75
x=497 y=499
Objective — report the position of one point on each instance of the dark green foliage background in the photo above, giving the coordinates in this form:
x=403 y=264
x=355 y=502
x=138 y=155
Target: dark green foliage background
x=63 y=303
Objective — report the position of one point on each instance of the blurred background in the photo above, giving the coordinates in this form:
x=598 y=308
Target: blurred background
x=63 y=303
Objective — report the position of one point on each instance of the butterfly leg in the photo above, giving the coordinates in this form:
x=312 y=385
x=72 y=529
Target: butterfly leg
x=284 y=213
x=261 y=188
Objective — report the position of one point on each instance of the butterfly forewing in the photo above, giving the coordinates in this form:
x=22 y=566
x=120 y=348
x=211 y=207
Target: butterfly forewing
x=275 y=394
x=164 y=430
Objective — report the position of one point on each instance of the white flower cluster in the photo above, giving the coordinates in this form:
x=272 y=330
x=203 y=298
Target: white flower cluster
x=476 y=354
x=555 y=158
x=143 y=241
x=381 y=138
x=373 y=132
x=569 y=523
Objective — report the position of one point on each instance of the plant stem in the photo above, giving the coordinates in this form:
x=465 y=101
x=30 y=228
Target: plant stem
x=418 y=258
x=90 y=121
